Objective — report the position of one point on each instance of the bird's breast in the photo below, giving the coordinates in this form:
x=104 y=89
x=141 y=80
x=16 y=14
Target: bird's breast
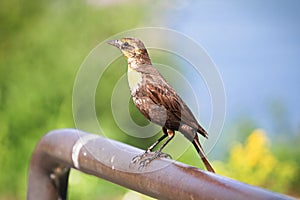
x=134 y=80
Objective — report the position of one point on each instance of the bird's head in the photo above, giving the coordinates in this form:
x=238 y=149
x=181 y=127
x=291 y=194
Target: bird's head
x=131 y=48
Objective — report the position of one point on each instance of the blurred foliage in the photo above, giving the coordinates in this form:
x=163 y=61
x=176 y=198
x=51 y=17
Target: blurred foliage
x=254 y=164
x=287 y=150
x=42 y=46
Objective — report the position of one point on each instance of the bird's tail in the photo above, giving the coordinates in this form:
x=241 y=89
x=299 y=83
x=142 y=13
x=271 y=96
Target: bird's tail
x=202 y=131
x=200 y=151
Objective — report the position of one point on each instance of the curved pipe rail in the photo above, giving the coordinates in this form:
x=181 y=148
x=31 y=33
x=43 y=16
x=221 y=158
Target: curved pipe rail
x=60 y=150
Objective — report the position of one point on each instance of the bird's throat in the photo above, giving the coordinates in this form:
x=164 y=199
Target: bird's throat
x=134 y=79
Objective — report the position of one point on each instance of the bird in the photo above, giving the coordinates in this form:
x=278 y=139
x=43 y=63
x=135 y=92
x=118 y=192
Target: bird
x=156 y=99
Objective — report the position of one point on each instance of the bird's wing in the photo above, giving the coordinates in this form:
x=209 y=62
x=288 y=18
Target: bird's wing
x=162 y=94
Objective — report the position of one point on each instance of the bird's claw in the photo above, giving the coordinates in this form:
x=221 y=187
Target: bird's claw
x=160 y=154
x=139 y=157
x=147 y=157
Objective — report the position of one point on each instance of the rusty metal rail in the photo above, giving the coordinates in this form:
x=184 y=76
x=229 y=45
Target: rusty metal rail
x=60 y=150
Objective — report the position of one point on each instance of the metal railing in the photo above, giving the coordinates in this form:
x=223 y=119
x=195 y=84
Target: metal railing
x=60 y=150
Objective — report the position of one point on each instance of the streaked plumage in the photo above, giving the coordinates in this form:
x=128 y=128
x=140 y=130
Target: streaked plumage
x=157 y=100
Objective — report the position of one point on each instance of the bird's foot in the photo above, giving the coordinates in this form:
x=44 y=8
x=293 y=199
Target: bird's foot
x=144 y=162
x=147 y=157
x=140 y=157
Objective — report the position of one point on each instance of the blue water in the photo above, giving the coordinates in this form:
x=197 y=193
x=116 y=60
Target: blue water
x=256 y=47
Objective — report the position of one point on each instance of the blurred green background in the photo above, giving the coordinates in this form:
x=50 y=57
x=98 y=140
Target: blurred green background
x=43 y=44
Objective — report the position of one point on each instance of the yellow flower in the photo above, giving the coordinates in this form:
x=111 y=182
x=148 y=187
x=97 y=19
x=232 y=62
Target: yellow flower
x=254 y=163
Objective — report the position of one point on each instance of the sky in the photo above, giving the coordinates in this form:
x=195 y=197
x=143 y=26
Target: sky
x=256 y=47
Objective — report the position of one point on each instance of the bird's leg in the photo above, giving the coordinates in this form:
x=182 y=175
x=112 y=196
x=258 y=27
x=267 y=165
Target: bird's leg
x=170 y=134
x=158 y=153
x=157 y=141
x=149 y=149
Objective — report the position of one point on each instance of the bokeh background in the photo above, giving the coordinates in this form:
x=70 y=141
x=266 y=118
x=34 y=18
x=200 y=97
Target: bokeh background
x=254 y=44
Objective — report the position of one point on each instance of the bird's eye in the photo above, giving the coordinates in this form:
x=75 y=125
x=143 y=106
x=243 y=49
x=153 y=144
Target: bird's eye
x=126 y=44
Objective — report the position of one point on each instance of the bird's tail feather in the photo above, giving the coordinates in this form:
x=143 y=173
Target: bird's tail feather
x=200 y=151
x=202 y=131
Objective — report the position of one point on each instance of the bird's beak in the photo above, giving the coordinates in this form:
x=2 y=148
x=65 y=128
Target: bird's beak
x=116 y=43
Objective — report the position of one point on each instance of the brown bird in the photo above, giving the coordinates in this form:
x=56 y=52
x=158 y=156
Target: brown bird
x=158 y=101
